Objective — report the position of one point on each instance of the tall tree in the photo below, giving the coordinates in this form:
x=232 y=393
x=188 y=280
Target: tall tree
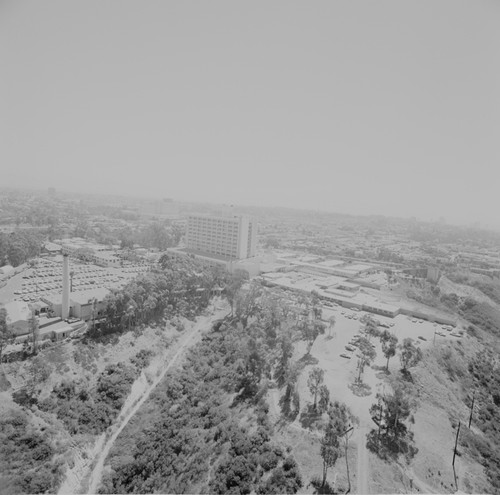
x=343 y=418
x=331 y=323
x=410 y=354
x=324 y=399
x=291 y=396
x=254 y=369
x=389 y=345
x=316 y=305
x=367 y=355
x=285 y=354
x=6 y=336
x=390 y=412
x=330 y=449
x=314 y=382
x=39 y=371
x=232 y=288
x=371 y=327
x=338 y=420
x=310 y=332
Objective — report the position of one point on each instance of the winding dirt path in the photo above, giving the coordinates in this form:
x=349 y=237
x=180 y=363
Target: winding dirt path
x=94 y=466
x=363 y=463
x=189 y=339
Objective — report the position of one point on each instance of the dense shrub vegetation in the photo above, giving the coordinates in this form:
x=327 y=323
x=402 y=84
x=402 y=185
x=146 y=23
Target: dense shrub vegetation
x=20 y=246
x=182 y=286
x=488 y=286
x=190 y=428
x=91 y=411
x=142 y=359
x=26 y=457
x=483 y=315
x=486 y=377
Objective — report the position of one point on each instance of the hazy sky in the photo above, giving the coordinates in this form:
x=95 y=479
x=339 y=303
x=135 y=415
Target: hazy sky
x=383 y=107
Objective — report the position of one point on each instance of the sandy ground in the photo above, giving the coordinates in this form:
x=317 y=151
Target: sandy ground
x=89 y=463
x=341 y=372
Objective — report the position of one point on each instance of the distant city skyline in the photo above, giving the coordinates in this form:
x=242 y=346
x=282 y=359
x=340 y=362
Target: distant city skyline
x=217 y=205
x=363 y=108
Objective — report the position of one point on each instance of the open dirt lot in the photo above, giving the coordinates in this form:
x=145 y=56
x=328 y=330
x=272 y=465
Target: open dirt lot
x=430 y=470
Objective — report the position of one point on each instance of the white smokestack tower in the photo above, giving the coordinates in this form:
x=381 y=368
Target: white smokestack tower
x=65 y=288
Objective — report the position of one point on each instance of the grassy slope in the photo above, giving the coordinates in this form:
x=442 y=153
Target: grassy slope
x=440 y=384
x=443 y=383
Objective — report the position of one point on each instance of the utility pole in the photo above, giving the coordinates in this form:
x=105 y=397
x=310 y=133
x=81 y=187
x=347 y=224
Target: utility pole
x=472 y=407
x=346 y=445
x=455 y=449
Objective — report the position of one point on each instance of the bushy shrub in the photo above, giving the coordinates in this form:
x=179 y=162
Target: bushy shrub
x=486 y=378
x=91 y=411
x=26 y=457
x=142 y=359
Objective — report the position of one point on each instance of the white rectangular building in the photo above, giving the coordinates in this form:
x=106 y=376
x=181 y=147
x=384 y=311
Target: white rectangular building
x=231 y=237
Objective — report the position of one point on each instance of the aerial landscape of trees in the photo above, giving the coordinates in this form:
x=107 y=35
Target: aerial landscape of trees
x=29 y=460
x=410 y=355
x=389 y=345
x=223 y=419
x=392 y=437
x=91 y=410
x=20 y=246
x=191 y=431
x=181 y=286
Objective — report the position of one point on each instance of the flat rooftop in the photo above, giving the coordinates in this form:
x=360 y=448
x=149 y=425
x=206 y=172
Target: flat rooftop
x=84 y=296
x=331 y=263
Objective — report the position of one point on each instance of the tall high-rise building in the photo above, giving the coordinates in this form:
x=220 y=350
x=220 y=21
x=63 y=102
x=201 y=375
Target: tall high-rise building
x=232 y=237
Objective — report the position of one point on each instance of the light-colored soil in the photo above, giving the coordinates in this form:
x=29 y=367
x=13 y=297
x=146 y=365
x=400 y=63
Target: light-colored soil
x=90 y=462
x=430 y=471
x=73 y=360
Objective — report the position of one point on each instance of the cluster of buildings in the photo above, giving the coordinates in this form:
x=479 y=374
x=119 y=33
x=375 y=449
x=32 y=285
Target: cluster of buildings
x=86 y=251
x=334 y=281
x=348 y=267
x=62 y=296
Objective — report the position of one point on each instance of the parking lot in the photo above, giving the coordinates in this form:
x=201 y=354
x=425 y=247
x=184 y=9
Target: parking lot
x=348 y=326
x=46 y=278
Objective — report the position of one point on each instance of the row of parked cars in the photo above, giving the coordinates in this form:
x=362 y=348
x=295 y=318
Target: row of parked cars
x=354 y=342
x=353 y=345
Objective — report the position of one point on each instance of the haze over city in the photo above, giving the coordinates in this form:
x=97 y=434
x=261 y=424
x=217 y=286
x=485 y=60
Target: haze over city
x=366 y=108
x=249 y=247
